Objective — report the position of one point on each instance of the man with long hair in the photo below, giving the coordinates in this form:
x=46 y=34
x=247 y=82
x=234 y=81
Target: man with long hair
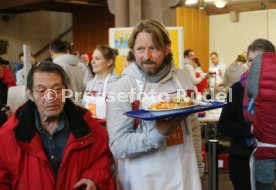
x=151 y=154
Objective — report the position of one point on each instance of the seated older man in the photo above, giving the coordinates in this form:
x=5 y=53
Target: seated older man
x=50 y=143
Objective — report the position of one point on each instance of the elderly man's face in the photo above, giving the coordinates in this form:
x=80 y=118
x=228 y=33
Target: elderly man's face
x=84 y=58
x=214 y=59
x=47 y=94
x=148 y=56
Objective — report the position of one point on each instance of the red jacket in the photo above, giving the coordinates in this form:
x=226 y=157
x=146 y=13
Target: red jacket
x=7 y=76
x=25 y=166
x=264 y=120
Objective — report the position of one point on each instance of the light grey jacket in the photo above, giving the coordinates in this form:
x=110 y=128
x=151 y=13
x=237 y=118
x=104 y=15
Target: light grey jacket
x=233 y=73
x=70 y=64
x=125 y=140
x=192 y=73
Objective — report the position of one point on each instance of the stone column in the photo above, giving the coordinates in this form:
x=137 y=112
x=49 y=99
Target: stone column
x=130 y=12
x=135 y=11
x=122 y=13
x=120 y=9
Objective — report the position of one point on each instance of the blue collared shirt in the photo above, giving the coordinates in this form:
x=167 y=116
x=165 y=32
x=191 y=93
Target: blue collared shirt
x=54 y=144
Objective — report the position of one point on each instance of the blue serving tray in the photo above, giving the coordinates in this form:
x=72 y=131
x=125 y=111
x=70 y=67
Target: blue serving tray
x=155 y=115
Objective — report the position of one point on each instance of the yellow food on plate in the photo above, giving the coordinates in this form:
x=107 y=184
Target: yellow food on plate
x=174 y=103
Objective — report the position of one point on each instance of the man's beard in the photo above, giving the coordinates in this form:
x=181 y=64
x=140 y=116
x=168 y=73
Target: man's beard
x=153 y=70
x=151 y=62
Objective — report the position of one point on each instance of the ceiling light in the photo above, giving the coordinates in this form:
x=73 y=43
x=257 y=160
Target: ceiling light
x=207 y=1
x=190 y=2
x=220 y=3
x=201 y=5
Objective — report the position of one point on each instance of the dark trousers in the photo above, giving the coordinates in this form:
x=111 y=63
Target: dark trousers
x=239 y=172
x=241 y=186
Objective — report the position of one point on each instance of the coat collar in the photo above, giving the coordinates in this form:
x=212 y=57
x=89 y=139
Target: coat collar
x=26 y=130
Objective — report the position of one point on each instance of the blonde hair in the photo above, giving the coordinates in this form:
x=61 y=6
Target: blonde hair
x=242 y=57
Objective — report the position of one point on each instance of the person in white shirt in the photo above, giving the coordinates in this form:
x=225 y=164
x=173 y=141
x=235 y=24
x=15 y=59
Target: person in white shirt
x=20 y=75
x=189 y=56
x=218 y=67
x=189 y=59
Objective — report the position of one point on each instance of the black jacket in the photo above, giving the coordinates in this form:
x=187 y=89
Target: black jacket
x=232 y=123
x=3 y=61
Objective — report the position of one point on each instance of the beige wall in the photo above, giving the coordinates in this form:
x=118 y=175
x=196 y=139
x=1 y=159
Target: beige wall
x=196 y=32
x=231 y=38
x=35 y=29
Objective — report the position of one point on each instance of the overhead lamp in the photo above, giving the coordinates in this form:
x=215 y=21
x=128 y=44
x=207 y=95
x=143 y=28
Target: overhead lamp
x=220 y=3
x=201 y=5
x=190 y=2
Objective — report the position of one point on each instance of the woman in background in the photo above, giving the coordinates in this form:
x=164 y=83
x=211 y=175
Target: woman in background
x=235 y=70
x=103 y=64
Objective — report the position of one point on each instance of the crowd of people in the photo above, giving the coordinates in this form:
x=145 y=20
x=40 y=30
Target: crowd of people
x=53 y=142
